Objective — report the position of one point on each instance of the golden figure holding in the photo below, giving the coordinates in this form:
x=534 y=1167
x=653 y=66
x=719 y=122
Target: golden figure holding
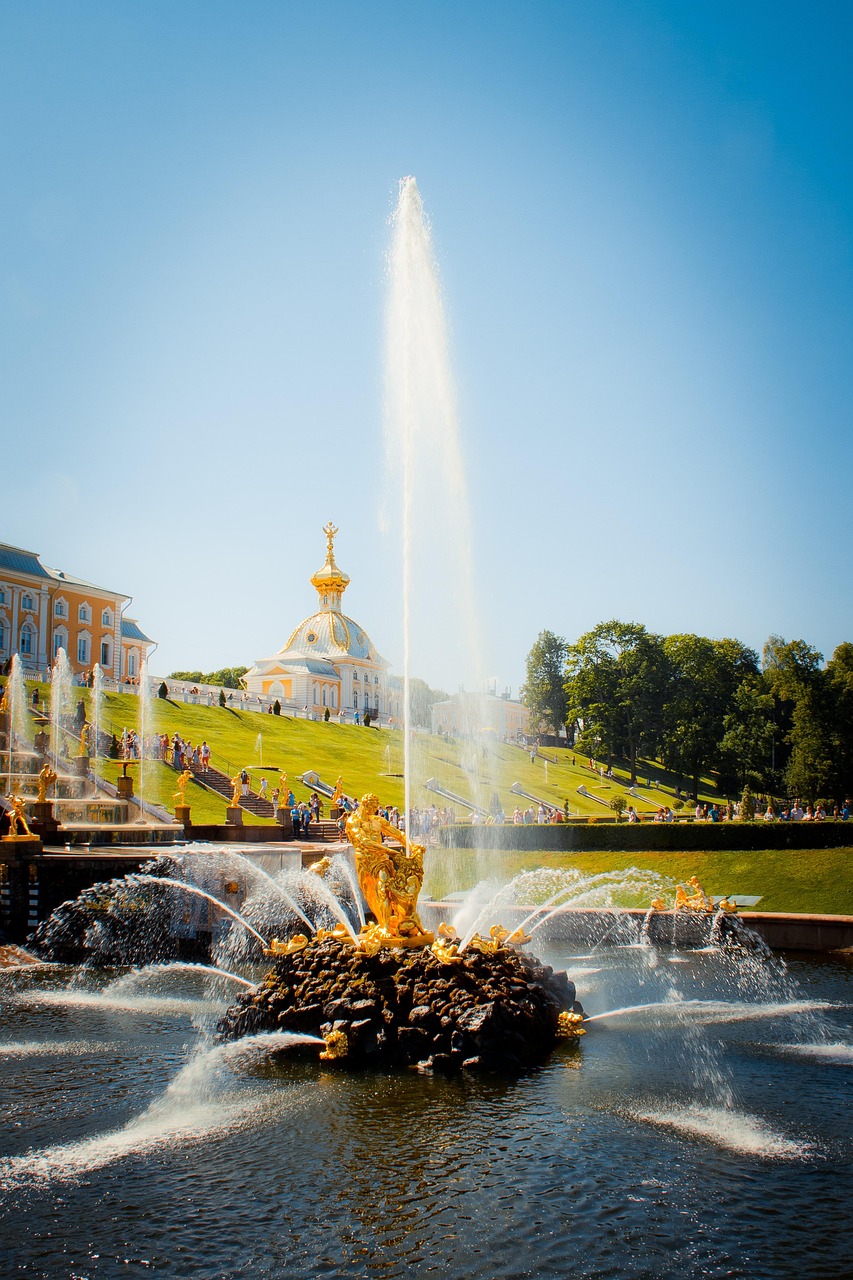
x=17 y=818
x=698 y=900
x=84 y=740
x=390 y=877
x=236 y=784
x=46 y=779
x=338 y=795
x=180 y=796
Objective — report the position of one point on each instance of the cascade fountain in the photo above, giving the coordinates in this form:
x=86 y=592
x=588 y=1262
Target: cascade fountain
x=706 y=1089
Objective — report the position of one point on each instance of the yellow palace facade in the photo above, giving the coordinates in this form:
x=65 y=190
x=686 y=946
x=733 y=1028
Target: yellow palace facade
x=43 y=610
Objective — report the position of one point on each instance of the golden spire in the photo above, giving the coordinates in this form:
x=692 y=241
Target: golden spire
x=330 y=581
x=331 y=532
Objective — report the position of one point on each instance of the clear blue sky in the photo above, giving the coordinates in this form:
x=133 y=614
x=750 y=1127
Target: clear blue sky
x=642 y=212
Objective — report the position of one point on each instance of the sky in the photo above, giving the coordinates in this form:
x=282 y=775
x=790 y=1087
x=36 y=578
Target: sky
x=641 y=211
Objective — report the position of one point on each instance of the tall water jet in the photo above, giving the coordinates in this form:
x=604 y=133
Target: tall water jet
x=425 y=463
x=97 y=709
x=60 y=703
x=18 y=729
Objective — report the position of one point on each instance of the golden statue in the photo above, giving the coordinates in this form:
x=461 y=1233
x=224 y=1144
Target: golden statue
x=390 y=877
x=84 y=740
x=236 y=784
x=17 y=818
x=698 y=900
x=180 y=796
x=338 y=795
x=46 y=779
x=283 y=791
x=321 y=866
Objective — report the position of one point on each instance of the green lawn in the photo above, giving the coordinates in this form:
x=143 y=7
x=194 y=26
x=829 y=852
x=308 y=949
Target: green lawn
x=810 y=881
x=367 y=759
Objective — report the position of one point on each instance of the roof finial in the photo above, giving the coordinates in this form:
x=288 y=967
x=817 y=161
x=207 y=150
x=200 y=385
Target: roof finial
x=330 y=532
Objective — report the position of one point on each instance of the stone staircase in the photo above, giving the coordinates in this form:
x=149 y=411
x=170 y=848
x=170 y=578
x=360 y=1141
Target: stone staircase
x=219 y=782
x=215 y=780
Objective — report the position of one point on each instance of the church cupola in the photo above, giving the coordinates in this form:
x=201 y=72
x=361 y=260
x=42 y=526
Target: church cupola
x=329 y=581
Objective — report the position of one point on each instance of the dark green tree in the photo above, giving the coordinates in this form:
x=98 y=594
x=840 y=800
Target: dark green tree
x=705 y=675
x=748 y=737
x=421 y=700
x=544 y=688
x=616 y=684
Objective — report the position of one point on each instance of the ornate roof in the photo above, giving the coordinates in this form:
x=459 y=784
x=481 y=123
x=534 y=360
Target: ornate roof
x=331 y=634
x=328 y=636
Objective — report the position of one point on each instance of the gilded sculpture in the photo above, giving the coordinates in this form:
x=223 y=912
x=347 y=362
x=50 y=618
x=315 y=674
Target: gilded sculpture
x=180 y=796
x=46 y=779
x=338 y=795
x=17 y=818
x=236 y=785
x=390 y=876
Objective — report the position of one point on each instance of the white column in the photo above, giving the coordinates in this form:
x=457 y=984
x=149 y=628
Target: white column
x=16 y=639
x=43 y=628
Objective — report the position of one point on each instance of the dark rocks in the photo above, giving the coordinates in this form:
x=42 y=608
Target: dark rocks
x=494 y=1011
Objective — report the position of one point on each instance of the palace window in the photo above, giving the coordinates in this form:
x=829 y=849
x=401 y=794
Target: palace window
x=315 y=695
x=131 y=664
x=28 y=637
x=84 y=614
x=26 y=601
x=60 y=641
x=355 y=675
x=107 y=618
x=334 y=697
x=2 y=635
x=106 y=654
x=82 y=648
x=60 y=609
x=324 y=696
x=355 y=700
x=3 y=595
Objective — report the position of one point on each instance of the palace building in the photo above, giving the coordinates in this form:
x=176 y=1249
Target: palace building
x=43 y=610
x=329 y=661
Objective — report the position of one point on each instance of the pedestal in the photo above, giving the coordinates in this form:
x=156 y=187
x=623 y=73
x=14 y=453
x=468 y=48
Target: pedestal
x=43 y=815
x=285 y=821
x=124 y=786
x=182 y=814
x=79 y=766
x=234 y=816
x=335 y=813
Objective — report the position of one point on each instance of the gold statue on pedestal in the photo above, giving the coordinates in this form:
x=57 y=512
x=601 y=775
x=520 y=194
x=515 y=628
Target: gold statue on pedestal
x=236 y=784
x=46 y=779
x=17 y=818
x=180 y=796
x=390 y=877
x=338 y=795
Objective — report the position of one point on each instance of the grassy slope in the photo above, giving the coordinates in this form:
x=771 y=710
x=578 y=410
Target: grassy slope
x=815 y=880
x=368 y=759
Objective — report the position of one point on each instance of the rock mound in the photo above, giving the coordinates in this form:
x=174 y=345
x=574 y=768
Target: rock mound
x=495 y=1011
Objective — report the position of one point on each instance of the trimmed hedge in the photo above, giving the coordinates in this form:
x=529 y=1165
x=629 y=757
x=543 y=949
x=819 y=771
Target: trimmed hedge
x=652 y=837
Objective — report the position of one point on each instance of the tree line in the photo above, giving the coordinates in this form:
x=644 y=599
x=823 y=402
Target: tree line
x=783 y=725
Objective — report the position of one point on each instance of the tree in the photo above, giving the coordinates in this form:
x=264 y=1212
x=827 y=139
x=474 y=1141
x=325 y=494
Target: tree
x=617 y=677
x=544 y=688
x=226 y=677
x=705 y=675
x=421 y=701
x=222 y=698
x=276 y=708
x=748 y=736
